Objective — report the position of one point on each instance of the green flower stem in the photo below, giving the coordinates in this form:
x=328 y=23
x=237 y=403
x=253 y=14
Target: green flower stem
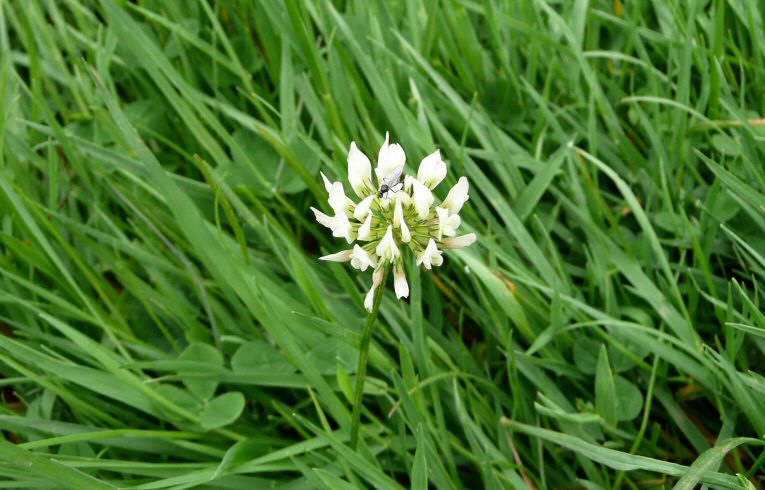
x=361 y=370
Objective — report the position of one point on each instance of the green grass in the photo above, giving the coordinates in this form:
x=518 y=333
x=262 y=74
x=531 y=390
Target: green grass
x=166 y=323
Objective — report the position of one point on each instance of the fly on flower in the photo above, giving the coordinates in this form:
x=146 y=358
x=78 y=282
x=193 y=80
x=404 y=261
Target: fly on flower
x=382 y=226
x=390 y=181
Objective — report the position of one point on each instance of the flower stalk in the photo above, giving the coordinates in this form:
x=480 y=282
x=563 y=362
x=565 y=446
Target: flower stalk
x=361 y=369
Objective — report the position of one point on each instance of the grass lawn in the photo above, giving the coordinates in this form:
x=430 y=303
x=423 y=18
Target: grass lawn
x=165 y=321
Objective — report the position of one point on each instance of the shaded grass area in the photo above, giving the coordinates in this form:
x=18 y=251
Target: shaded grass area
x=166 y=323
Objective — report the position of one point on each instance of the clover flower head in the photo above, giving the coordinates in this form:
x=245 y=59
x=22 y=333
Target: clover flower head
x=397 y=214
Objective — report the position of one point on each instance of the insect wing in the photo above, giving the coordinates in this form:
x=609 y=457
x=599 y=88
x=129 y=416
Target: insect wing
x=392 y=178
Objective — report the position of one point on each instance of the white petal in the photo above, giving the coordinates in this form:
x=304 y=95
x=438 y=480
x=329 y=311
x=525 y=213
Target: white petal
x=447 y=225
x=430 y=256
x=406 y=199
x=327 y=183
x=387 y=249
x=362 y=208
x=399 y=282
x=366 y=228
x=423 y=199
x=432 y=170
x=373 y=260
x=459 y=242
x=359 y=171
x=376 y=280
x=408 y=183
x=338 y=200
x=341 y=228
x=454 y=222
x=398 y=218
x=398 y=213
x=390 y=158
x=323 y=219
x=457 y=196
x=385 y=204
x=343 y=256
x=442 y=214
x=406 y=236
x=361 y=259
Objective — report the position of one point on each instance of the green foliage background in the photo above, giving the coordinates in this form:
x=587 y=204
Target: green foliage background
x=166 y=323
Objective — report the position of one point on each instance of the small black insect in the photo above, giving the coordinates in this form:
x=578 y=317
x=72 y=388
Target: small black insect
x=390 y=181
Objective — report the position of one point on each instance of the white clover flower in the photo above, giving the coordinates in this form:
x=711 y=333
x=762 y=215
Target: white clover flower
x=399 y=282
x=459 y=242
x=390 y=158
x=362 y=208
x=457 y=196
x=343 y=256
x=342 y=228
x=361 y=259
x=447 y=225
x=359 y=171
x=408 y=179
x=387 y=249
x=399 y=221
x=338 y=201
x=432 y=170
x=365 y=232
x=376 y=280
x=322 y=218
x=398 y=213
x=430 y=256
x=423 y=199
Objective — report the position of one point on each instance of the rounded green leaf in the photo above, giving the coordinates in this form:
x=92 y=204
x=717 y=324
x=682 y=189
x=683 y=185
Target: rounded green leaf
x=586 y=354
x=222 y=410
x=260 y=357
x=629 y=400
x=725 y=144
x=204 y=389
